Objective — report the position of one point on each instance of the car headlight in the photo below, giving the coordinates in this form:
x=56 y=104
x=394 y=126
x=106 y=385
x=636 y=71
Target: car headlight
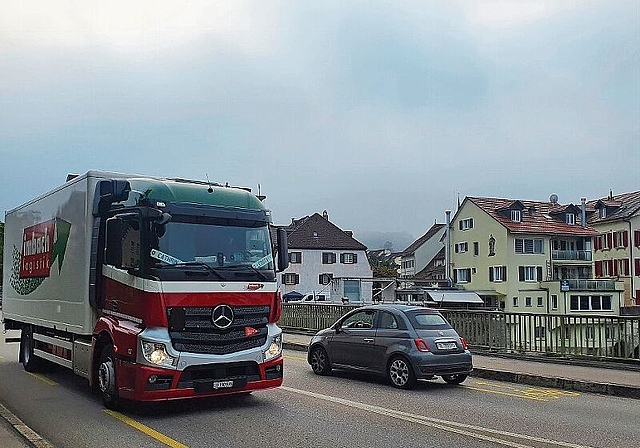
x=156 y=353
x=275 y=348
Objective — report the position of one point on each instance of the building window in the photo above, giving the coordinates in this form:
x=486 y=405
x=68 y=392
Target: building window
x=516 y=215
x=529 y=246
x=325 y=279
x=466 y=224
x=554 y=302
x=290 y=279
x=603 y=212
x=328 y=258
x=571 y=218
x=540 y=332
x=348 y=258
x=515 y=302
x=497 y=273
x=590 y=303
x=540 y=301
x=462 y=275
x=530 y=273
x=620 y=239
x=527 y=302
x=295 y=257
x=461 y=247
x=476 y=249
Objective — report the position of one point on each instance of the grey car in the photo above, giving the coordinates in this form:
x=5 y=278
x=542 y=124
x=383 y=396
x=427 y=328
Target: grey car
x=402 y=342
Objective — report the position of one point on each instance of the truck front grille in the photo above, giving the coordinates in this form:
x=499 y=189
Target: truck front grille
x=192 y=330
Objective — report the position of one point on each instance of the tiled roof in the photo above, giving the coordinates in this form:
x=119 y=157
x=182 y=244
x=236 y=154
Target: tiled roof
x=621 y=206
x=423 y=239
x=536 y=217
x=316 y=232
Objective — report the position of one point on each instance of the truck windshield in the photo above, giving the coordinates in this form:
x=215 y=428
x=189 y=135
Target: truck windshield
x=231 y=252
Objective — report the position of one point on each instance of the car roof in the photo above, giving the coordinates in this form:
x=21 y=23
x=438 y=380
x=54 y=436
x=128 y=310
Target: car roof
x=400 y=307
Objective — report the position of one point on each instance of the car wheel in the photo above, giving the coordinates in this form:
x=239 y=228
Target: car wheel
x=401 y=373
x=319 y=361
x=107 y=385
x=454 y=379
x=30 y=362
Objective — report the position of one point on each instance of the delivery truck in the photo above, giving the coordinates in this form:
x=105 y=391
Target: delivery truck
x=150 y=288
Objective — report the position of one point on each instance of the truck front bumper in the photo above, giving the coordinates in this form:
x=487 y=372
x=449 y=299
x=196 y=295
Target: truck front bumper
x=140 y=382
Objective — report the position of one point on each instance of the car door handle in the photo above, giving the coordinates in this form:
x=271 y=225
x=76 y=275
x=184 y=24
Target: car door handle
x=368 y=339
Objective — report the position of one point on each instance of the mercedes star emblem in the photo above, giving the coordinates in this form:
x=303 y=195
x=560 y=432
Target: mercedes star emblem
x=222 y=316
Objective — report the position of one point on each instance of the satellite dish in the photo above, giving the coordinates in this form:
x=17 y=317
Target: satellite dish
x=553 y=198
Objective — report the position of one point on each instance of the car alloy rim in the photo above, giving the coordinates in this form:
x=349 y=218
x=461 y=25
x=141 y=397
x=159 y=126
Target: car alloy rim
x=317 y=360
x=399 y=372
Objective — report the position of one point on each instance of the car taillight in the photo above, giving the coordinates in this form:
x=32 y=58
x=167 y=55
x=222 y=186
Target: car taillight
x=464 y=343
x=421 y=345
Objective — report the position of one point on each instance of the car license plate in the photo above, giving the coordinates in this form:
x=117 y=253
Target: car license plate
x=222 y=384
x=446 y=345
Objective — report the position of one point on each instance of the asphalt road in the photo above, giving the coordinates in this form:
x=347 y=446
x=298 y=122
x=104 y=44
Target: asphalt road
x=310 y=411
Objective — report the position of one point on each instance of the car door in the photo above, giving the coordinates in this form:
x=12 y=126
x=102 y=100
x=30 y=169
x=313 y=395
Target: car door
x=352 y=345
x=388 y=331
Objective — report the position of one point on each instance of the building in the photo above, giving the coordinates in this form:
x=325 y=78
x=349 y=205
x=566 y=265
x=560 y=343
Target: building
x=616 y=249
x=422 y=251
x=529 y=256
x=326 y=261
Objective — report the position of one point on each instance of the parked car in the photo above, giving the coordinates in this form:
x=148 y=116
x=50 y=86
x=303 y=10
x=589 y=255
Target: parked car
x=402 y=342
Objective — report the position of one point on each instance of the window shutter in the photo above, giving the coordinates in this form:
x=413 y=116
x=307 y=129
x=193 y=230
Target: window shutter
x=490 y=274
x=521 y=273
x=320 y=279
x=504 y=273
x=455 y=276
x=355 y=258
x=625 y=264
x=341 y=258
x=325 y=258
x=297 y=279
x=539 y=273
x=598 y=266
x=596 y=243
x=637 y=267
x=636 y=237
x=460 y=224
x=625 y=238
x=610 y=239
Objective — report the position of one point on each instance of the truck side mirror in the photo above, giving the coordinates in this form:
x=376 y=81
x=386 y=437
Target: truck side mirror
x=283 y=250
x=115 y=232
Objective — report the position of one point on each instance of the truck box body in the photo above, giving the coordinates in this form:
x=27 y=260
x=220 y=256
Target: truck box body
x=41 y=237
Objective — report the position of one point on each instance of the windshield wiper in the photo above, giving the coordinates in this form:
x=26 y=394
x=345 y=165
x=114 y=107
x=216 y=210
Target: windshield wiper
x=240 y=267
x=200 y=264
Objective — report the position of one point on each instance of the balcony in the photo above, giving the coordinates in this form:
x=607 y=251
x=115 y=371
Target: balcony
x=577 y=255
x=588 y=285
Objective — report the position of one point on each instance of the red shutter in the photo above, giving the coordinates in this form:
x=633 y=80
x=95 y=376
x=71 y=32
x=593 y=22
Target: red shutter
x=599 y=268
x=637 y=267
x=626 y=266
x=625 y=238
x=610 y=240
x=615 y=266
x=610 y=262
x=636 y=237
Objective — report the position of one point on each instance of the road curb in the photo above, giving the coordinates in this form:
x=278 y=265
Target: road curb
x=23 y=431
x=535 y=380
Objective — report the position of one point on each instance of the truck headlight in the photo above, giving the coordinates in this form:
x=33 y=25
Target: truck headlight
x=275 y=348
x=156 y=353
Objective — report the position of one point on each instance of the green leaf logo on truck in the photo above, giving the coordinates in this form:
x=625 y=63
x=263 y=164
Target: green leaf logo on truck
x=42 y=245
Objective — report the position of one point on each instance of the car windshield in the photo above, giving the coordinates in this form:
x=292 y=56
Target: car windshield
x=217 y=246
x=427 y=321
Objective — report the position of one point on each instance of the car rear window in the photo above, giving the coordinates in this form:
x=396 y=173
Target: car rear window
x=428 y=320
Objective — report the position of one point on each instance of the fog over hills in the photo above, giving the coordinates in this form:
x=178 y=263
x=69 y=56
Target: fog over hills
x=377 y=239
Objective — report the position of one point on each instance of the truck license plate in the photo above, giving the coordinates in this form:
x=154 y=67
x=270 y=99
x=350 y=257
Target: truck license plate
x=222 y=384
x=446 y=345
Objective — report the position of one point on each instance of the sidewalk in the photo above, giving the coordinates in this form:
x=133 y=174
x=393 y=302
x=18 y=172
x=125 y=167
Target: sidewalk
x=623 y=380
x=15 y=434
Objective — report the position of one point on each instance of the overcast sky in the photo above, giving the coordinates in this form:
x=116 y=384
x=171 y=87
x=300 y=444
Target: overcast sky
x=381 y=112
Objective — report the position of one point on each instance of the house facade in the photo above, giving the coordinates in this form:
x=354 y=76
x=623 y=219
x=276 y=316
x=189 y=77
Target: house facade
x=421 y=252
x=529 y=257
x=616 y=248
x=326 y=261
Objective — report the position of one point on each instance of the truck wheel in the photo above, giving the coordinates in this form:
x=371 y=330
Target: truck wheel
x=30 y=362
x=107 y=378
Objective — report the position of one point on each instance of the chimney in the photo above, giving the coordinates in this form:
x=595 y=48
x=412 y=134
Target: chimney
x=325 y=215
x=584 y=211
x=349 y=233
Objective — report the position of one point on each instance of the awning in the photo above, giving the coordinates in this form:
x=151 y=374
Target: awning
x=293 y=295
x=455 y=297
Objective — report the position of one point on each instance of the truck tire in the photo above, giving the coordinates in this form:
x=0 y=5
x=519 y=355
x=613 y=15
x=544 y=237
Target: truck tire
x=106 y=376
x=30 y=362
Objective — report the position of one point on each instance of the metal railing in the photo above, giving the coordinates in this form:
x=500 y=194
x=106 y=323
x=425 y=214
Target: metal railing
x=591 y=285
x=592 y=336
x=580 y=255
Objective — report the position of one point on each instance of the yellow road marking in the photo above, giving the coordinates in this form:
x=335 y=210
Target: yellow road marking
x=145 y=429
x=529 y=392
x=42 y=378
x=445 y=425
x=497 y=392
